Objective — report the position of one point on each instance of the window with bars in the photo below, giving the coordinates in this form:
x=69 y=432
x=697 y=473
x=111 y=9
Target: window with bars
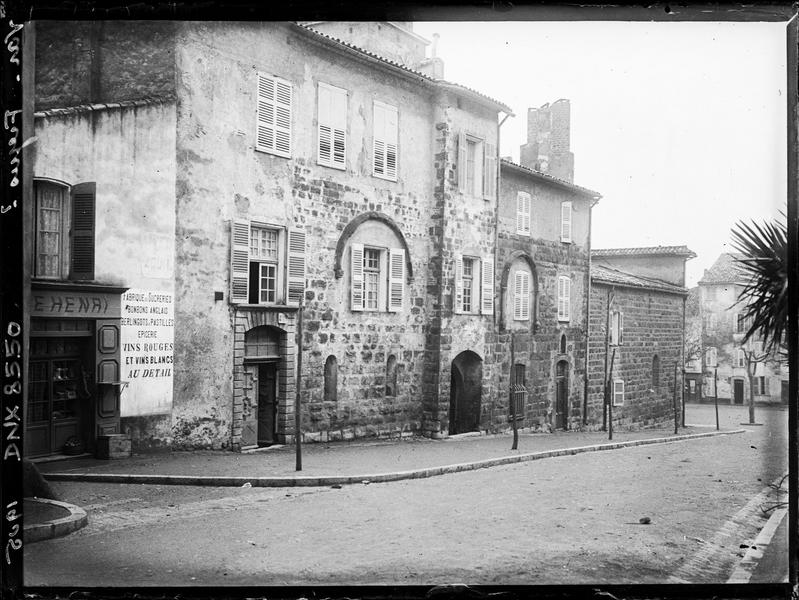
x=384 y=151
x=332 y=126
x=267 y=264
x=64 y=240
x=274 y=116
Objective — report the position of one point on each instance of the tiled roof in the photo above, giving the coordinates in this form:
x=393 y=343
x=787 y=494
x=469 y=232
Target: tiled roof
x=549 y=178
x=56 y=112
x=648 y=251
x=616 y=277
x=462 y=89
x=724 y=270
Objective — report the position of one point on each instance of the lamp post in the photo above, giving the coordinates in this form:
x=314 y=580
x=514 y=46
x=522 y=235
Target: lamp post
x=298 y=385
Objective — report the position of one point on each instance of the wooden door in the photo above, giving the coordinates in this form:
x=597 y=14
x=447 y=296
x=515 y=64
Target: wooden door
x=738 y=391
x=562 y=395
x=267 y=404
x=249 y=409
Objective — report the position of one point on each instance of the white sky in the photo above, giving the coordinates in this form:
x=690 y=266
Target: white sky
x=680 y=126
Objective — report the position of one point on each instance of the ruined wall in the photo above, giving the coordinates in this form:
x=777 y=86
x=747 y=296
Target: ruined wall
x=653 y=325
x=539 y=348
x=221 y=177
x=85 y=62
x=129 y=152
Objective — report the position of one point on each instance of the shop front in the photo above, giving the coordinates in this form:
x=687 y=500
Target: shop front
x=74 y=367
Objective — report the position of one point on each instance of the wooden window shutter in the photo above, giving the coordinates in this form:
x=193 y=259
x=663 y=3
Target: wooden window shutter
x=324 y=128
x=487 y=285
x=489 y=170
x=239 y=261
x=525 y=297
x=618 y=392
x=564 y=298
x=295 y=267
x=273 y=131
x=396 y=279
x=391 y=136
x=82 y=234
x=356 y=277
x=621 y=328
x=462 y=162
x=517 y=295
x=384 y=156
x=332 y=126
x=379 y=142
x=523 y=204
x=458 y=308
x=566 y=222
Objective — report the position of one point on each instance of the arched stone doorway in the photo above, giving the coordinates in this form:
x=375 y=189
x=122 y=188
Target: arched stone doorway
x=261 y=366
x=562 y=395
x=466 y=388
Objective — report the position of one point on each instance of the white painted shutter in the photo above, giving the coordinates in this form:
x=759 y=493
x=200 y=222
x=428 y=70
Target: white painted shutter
x=525 y=297
x=458 y=284
x=564 y=298
x=462 y=162
x=356 y=277
x=384 y=157
x=239 y=261
x=489 y=170
x=273 y=131
x=566 y=222
x=517 y=295
x=621 y=328
x=618 y=392
x=487 y=285
x=332 y=126
x=296 y=266
x=396 y=279
x=523 y=210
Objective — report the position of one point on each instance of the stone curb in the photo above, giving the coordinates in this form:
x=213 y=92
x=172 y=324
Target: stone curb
x=323 y=480
x=57 y=528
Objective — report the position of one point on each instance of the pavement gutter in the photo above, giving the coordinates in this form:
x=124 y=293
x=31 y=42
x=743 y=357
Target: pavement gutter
x=323 y=480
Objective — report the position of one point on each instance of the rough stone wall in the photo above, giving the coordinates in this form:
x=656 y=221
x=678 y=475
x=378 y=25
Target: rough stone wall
x=539 y=349
x=221 y=177
x=653 y=324
x=85 y=62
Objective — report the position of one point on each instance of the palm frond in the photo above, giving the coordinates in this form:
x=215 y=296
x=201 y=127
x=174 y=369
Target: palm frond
x=763 y=267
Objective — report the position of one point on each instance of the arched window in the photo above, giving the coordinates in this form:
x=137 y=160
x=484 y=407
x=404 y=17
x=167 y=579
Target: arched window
x=563 y=344
x=391 y=376
x=331 y=379
x=655 y=372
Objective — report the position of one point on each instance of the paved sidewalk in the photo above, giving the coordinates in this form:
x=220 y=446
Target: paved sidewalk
x=352 y=462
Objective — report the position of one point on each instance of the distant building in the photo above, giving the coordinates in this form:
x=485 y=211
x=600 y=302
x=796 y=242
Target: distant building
x=726 y=372
x=636 y=333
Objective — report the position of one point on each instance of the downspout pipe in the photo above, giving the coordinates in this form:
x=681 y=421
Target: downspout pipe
x=591 y=205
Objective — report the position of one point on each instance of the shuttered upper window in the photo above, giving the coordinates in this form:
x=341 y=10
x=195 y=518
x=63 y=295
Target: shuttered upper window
x=332 y=126
x=384 y=151
x=521 y=296
x=477 y=166
x=616 y=328
x=566 y=222
x=64 y=241
x=474 y=285
x=377 y=278
x=564 y=298
x=523 y=209
x=273 y=134
x=267 y=264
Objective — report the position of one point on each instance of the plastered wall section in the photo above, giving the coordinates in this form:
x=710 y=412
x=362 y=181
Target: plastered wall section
x=129 y=153
x=652 y=326
x=221 y=176
x=539 y=348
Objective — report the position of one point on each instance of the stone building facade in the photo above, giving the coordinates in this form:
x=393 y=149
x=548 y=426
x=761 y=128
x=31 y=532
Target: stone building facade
x=636 y=334
x=730 y=369
x=542 y=325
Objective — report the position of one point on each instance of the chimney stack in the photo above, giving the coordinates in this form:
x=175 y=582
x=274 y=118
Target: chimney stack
x=548 y=141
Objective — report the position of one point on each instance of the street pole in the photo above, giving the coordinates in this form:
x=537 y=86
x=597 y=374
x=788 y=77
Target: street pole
x=716 y=394
x=609 y=397
x=607 y=351
x=512 y=387
x=676 y=413
x=297 y=403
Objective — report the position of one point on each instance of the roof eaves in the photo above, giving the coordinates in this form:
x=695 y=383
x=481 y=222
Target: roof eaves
x=644 y=251
x=550 y=179
x=620 y=278
x=71 y=110
x=475 y=95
